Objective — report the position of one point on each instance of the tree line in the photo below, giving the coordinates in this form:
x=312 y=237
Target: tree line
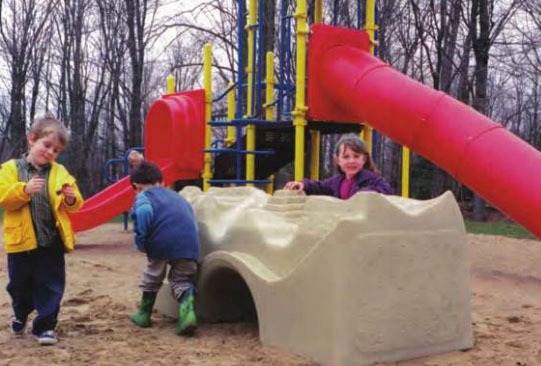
x=99 y=64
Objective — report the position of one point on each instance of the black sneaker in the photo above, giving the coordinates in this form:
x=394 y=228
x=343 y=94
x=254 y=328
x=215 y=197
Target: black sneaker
x=18 y=326
x=47 y=338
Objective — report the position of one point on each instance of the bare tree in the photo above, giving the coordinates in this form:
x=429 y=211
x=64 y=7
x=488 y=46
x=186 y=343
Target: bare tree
x=22 y=29
x=523 y=60
x=113 y=35
x=141 y=26
x=186 y=63
x=217 y=23
x=80 y=89
x=486 y=24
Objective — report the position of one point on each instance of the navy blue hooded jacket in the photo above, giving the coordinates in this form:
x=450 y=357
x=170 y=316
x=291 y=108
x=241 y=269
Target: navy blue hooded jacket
x=165 y=225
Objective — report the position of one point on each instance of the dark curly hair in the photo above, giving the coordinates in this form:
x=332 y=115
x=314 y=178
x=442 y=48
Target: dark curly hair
x=146 y=173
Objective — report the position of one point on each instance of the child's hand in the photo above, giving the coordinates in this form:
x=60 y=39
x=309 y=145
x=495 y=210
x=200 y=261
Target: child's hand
x=294 y=186
x=34 y=185
x=69 y=194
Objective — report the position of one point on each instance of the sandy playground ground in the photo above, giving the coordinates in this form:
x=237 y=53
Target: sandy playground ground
x=103 y=273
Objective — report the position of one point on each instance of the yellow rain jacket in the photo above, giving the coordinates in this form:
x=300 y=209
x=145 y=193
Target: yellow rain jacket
x=19 y=235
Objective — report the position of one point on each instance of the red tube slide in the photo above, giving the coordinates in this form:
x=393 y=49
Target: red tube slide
x=174 y=139
x=347 y=84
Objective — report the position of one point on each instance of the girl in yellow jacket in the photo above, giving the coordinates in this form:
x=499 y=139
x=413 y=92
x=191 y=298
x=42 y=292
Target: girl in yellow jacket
x=37 y=194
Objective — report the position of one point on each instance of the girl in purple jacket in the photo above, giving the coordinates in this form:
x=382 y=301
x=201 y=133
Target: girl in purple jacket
x=357 y=172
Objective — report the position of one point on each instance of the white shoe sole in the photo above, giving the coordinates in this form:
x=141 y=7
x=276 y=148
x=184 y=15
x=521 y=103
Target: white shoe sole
x=47 y=341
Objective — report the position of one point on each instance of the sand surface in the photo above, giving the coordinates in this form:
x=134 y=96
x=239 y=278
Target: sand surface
x=104 y=270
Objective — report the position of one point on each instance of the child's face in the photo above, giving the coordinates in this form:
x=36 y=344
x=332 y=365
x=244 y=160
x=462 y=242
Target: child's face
x=349 y=161
x=43 y=150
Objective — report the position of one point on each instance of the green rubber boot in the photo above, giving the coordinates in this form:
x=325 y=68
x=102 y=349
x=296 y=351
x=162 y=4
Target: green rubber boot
x=141 y=317
x=187 y=320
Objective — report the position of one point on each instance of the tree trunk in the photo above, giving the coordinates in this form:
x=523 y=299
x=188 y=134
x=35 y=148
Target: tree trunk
x=136 y=20
x=16 y=118
x=481 y=47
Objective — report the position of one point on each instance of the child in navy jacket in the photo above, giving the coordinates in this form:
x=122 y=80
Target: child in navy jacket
x=166 y=230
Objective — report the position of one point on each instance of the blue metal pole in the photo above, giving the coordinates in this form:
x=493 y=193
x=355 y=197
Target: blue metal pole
x=376 y=33
x=240 y=88
x=260 y=56
x=335 y=12
x=375 y=134
x=359 y=15
x=290 y=83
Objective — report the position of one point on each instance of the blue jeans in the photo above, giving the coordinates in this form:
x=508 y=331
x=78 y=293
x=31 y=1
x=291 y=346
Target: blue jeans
x=37 y=279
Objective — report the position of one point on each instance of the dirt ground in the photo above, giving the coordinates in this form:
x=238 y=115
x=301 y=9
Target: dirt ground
x=104 y=270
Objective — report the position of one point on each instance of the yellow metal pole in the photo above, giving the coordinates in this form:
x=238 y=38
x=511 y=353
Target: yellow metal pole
x=405 y=171
x=370 y=23
x=370 y=28
x=252 y=19
x=231 y=105
x=318 y=11
x=207 y=76
x=269 y=90
x=171 y=84
x=361 y=134
x=299 y=113
x=269 y=99
x=250 y=129
x=367 y=134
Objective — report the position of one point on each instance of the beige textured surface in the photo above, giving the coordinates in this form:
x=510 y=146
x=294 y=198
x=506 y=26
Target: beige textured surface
x=373 y=278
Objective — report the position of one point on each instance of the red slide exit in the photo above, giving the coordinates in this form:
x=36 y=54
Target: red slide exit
x=348 y=84
x=174 y=139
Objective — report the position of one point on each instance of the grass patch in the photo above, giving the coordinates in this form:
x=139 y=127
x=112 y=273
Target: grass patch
x=498 y=228
x=118 y=220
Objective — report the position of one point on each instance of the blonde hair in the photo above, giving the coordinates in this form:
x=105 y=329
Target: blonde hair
x=48 y=124
x=134 y=158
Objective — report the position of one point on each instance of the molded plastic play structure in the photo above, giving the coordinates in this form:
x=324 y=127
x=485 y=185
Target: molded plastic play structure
x=373 y=278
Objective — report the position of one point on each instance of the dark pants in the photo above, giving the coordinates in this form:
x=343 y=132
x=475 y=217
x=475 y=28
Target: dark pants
x=36 y=282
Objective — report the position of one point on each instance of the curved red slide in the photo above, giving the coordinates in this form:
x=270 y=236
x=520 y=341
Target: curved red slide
x=348 y=84
x=174 y=139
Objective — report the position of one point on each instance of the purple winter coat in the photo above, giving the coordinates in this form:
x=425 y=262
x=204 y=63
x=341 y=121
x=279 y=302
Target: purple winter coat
x=365 y=180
